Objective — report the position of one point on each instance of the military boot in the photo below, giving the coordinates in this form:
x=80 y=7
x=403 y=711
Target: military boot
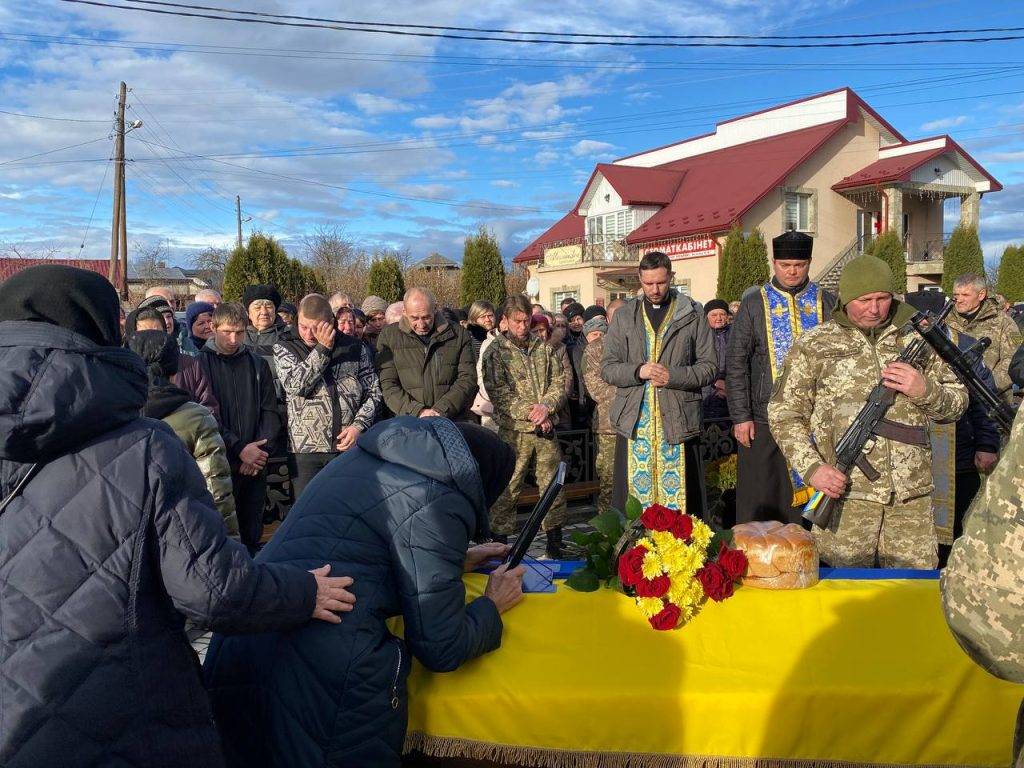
x=553 y=550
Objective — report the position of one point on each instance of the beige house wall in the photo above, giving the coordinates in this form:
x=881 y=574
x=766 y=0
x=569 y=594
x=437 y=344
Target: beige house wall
x=581 y=279
x=834 y=217
x=926 y=222
x=700 y=275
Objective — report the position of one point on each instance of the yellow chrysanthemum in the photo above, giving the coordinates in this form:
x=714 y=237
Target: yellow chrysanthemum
x=702 y=534
x=687 y=594
x=652 y=565
x=664 y=540
x=683 y=561
x=649 y=606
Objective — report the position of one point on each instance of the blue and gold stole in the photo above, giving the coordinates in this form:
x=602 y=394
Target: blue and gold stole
x=786 y=317
x=656 y=469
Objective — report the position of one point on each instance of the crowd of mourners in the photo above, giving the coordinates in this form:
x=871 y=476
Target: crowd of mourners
x=409 y=431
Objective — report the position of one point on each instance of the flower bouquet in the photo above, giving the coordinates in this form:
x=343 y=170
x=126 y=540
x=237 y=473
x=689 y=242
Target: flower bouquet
x=669 y=562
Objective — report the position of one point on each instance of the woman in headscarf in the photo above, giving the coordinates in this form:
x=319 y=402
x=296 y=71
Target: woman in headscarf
x=398 y=512
x=190 y=421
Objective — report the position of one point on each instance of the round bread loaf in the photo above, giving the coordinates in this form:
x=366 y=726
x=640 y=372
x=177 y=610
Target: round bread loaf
x=779 y=556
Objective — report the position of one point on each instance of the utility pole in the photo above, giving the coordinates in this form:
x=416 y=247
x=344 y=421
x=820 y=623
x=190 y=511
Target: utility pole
x=118 y=225
x=238 y=216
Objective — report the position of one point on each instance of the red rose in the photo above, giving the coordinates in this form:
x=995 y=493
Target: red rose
x=656 y=587
x=716 y=582
x=682 y=528
x=667 y=617
x=631 y=566
x=658 y=518
x=733 y=562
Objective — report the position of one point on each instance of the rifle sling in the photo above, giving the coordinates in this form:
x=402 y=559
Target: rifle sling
x=900 y=433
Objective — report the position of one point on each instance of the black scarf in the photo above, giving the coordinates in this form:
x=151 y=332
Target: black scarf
x=71 y=298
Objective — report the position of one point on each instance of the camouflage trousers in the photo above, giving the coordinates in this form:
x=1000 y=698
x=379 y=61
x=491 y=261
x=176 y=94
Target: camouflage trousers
x=546 y=453
x=604 y=464
x=890 y=535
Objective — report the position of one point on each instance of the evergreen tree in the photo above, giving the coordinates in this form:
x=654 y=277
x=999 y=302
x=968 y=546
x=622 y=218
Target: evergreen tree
x=730 y=251
x=483 y=272
x=748 y=267
x=961 y=256
x=385 y=280
x=1010 y=282
x=264 y=261
x=889 y=249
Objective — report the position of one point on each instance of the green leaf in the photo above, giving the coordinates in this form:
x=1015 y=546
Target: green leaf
x=614 y=583
x=633 y=508
x=720 y=537
x=609 y=524
x=580 y=538
x=602 y=567
x=583 y=580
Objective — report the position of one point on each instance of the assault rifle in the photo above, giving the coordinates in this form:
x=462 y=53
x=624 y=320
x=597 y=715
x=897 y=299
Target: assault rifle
x=962 y=365
x=821 y=508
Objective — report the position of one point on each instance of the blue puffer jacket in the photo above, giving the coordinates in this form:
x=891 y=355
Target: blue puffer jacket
x=396 y=514
x=102 y=556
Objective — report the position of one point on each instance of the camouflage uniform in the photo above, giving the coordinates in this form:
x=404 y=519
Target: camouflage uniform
x=1006 y=338
x=825 y=381
x=983 y=586
x=602 y=393
x=516 y=378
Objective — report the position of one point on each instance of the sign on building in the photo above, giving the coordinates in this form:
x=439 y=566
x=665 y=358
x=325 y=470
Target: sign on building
x=689 y=248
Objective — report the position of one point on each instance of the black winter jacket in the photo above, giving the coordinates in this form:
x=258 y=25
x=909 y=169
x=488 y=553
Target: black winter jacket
x=103 y=555
x=396 y=514
x=748 y=379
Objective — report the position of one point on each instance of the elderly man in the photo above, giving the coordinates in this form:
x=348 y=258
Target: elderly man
x=331 y=386
x=426 y=363
x=885 y=512
x=210 y=296
x=526 y=384
x=978 y=315
x=659 y=353
x=771 y=317
x=163 y=291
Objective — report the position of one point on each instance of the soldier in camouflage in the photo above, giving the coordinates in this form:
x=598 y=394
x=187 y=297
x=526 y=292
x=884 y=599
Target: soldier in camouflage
x=885 y=515
x=983 y=586
x=979 y=316
x=602 y=393
x=526 y=385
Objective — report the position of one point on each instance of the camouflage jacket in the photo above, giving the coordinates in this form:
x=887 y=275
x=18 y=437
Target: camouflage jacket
x=516 y=379
x=600 y=391
x=1002 y=330
x=983 y=586
x=825 y=381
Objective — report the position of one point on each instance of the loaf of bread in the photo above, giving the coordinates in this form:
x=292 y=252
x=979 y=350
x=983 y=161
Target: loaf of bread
x=779 y=556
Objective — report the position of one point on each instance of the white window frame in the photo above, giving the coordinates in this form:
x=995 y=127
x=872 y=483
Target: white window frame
x=806 y=202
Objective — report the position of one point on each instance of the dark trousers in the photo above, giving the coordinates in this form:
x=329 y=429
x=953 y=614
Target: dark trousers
x=250 y=496
x=696 y=490
x=764 y=489
x=967 y=485
x=305 y=468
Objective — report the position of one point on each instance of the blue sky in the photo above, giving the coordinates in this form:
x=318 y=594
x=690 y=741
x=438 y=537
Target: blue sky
x=406 y=141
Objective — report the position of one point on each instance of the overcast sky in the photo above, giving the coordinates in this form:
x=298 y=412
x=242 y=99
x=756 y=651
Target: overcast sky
x=415 y=141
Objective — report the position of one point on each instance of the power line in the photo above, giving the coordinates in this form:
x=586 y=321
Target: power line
x=52 y=151
x=553 y=33
x=45 y=117
x=88 y=226
x=547 y=41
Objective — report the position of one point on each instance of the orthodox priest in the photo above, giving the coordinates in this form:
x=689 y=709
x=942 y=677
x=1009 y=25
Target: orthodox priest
x=768 y=322
x=659 y=353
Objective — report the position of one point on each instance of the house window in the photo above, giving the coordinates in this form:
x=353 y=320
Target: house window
x=566 y=293
x=799 y=211
x=607 y=229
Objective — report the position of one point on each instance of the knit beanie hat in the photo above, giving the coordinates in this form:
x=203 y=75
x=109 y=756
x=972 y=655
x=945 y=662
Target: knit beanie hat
x=716 y=304
x=373 y=304
x=536 y=320
x=258 y=292
x=865 y=274
x=595 y=324
x=194 y=310
x=594 y=311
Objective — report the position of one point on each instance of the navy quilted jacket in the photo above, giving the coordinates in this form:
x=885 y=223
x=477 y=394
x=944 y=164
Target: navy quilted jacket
x=102 y=556
x=396 y=514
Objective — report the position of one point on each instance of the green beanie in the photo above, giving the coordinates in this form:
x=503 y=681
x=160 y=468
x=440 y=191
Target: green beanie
x=865 y=274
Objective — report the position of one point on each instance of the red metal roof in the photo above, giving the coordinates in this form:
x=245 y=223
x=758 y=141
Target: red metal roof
x=638 y=186
x=900 y=167
x=569 y=227
x=10 y=267
x=721 y=186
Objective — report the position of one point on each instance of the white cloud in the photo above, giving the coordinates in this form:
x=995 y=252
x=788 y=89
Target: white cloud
x=546 y=157
x=372 y=104
x=944 y=123
x=432 y=122
x=591 y=148
x=503 y=184
x=1005 y=157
